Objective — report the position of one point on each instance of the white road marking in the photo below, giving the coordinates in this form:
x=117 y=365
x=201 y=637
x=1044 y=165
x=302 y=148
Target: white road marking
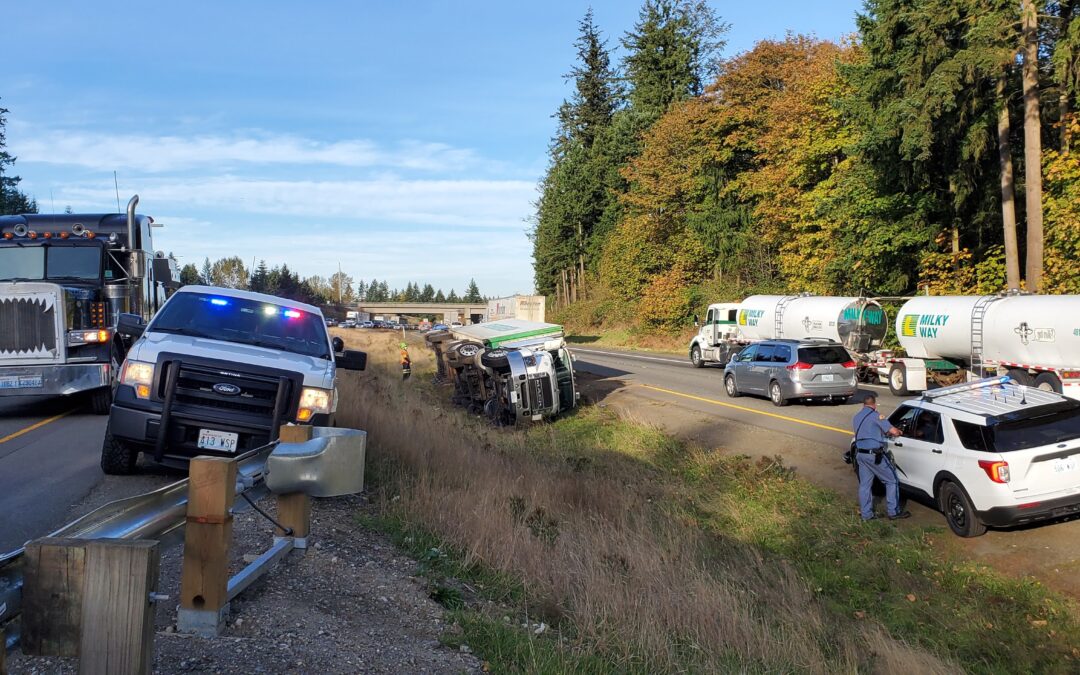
x=632 y=356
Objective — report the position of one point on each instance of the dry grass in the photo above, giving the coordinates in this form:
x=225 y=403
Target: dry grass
x=601 y=556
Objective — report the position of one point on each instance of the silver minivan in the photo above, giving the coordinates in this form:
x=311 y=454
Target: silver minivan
x=785 y=370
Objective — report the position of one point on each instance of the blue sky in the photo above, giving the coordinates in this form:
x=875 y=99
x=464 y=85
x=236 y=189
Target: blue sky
x=402 y=140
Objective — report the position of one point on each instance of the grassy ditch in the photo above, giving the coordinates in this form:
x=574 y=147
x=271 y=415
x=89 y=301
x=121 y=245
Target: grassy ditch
x=644 y=554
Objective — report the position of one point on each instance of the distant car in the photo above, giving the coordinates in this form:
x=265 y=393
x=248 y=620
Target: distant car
x=455 y=324
x=348 y=323
x=440 y=326
x=367 y=324
x=330 y=323
x=785 y=370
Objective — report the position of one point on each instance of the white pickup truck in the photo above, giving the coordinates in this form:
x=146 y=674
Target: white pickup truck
x=217 y=372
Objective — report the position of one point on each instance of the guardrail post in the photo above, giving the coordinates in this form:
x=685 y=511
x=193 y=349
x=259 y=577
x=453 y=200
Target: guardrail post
x=117 y=614
x=53 y=582
x=207 y=535
x=294 y=510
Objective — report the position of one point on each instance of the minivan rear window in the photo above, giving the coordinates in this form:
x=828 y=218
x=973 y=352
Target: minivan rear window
x=823 y=355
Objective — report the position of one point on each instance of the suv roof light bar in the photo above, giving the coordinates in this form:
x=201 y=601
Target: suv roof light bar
x=970 y=386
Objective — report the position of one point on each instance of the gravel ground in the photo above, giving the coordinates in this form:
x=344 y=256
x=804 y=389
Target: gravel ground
x=350 y=604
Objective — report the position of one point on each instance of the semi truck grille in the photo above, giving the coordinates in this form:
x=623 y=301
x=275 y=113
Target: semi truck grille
x=537 y=392
x=28 y=326
x=211 y=387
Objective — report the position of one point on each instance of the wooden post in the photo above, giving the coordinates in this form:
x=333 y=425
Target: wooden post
x=207 y=535
x=117 y=615
x=294 y=510
x=53 y=580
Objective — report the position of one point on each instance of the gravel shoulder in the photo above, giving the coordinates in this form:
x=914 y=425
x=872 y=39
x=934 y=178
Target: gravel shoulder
x=351 y=603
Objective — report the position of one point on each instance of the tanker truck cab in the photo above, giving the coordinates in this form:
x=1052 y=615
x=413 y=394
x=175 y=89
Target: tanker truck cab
x=217 y=372
x=717 y=338
x=990 y=453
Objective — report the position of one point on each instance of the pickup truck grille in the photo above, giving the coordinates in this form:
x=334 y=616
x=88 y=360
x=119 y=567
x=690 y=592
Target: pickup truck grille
x=28 y=326
x=256 y=394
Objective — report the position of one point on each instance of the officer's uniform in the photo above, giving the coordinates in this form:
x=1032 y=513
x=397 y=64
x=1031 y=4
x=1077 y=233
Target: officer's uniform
x=871 y=431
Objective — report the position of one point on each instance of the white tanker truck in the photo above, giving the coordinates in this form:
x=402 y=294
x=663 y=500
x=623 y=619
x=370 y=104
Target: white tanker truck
x=1033 y=338
x=860 y=324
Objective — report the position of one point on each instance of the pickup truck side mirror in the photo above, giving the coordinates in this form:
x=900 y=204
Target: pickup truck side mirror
x=130 y=325
x=351 y=359
x=339 y=344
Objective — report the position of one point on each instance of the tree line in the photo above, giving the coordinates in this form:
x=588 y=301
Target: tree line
x=937 y=150
x=337 y=289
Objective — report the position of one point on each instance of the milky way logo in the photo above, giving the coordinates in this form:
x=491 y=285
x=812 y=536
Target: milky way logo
x=910 y=325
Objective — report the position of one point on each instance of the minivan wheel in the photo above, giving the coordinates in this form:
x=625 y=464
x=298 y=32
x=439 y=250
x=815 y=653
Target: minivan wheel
x=730 y=387
x=776 y=395
x=695 y=357
x=959 y=512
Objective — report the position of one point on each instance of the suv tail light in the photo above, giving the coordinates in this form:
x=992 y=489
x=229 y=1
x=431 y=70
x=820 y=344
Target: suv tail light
x=848 y=364
x=800 y=365
x=997 y=471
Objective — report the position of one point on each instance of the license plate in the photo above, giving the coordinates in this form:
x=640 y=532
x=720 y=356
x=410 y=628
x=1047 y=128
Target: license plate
x=21 y=382
x=222 y=441
x=1064 y=465
x=828 y=378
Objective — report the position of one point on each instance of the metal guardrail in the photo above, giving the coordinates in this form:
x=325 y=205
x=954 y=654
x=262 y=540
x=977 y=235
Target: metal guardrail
x=160 y=515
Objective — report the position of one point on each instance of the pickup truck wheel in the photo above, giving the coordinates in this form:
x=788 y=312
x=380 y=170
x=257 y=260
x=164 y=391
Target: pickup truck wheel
x=898 y=380
x=117 y=458
x=1048 y=382
x=695 y=357
x=101 y=399
x=958 y=510
x=776 y=394
x=730 y=387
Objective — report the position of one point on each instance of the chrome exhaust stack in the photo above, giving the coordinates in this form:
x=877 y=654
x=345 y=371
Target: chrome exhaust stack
x=136 y=271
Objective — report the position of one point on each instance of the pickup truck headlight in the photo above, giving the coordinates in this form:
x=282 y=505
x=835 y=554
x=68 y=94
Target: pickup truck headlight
x=314 y=401
x=139 y=375
x=77 y=338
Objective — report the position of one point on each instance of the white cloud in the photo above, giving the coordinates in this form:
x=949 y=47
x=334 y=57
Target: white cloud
x=457 y=203
x=160 y=154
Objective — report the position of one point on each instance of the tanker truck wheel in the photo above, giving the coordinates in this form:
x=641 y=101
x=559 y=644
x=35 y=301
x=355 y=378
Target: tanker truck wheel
x=695 y=357
x=1021 y=376
x=898 y=380
x=1048 y=382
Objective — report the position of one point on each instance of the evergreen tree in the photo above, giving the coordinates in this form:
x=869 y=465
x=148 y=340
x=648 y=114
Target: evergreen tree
x=439 y=297
x=207 y=273
x=260 y=278
x=384 y=291
x=473 y=292
x=453 y=297
x=361 y=290
x=428 y=294
x=189 y=275
x=12 y=200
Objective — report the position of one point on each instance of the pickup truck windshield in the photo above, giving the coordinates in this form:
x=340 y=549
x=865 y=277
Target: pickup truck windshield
x=245 y=321
x=36 y=263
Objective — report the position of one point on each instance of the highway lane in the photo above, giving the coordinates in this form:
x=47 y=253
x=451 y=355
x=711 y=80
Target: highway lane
x=673 y=378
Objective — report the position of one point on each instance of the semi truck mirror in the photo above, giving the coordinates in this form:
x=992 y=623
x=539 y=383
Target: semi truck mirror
x=339 y=345
x=131 y=325
x=351 y=359
x=697 y=322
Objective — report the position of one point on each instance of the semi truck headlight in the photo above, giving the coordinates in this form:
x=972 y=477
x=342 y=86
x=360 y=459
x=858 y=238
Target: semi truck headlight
x=140 y=375
x=76 y=338
x=313 y=402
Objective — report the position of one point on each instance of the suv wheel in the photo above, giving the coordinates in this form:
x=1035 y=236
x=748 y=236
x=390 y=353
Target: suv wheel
x=959 y=513
x=898 y=380
x=695 y=357
x=776 y=394
x=730 y=387
x=117 y=458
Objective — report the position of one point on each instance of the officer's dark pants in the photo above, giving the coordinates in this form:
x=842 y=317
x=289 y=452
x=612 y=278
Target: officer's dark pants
x=884 y=472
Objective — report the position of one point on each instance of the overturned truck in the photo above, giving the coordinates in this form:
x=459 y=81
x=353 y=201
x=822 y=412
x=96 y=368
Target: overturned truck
x=511 y=371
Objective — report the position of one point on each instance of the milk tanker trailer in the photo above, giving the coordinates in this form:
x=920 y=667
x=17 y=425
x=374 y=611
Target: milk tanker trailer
x=1033 y=338
x=859 y=324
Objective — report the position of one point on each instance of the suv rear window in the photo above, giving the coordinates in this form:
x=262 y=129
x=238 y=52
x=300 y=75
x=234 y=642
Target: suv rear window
x=245 y=321
x=823 y=355
x=1033 y=432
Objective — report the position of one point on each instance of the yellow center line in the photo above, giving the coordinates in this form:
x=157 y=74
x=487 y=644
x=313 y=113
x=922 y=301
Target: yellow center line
x=786 y=418
x=38 y=425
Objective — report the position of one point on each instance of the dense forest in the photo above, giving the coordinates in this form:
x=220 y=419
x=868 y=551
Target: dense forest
x=934 y=151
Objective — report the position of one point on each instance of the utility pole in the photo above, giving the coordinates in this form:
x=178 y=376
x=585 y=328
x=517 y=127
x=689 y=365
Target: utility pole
x=339 y=282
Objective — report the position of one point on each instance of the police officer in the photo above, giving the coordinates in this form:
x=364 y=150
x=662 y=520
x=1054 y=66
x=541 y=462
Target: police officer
x=871 y=431
x=406 y=362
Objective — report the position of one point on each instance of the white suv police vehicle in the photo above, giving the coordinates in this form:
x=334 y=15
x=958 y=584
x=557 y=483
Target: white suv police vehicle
x=990 y=453
x=217 y=372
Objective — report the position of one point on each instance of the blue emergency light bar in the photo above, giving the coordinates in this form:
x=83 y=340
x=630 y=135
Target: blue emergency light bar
x=971 y=386
x=219 y=302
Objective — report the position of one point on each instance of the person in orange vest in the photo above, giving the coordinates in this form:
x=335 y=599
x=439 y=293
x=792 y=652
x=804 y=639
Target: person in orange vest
x=406 y=363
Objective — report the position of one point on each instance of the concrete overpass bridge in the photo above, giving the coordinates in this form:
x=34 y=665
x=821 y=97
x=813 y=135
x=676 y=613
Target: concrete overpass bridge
x=465 y=312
